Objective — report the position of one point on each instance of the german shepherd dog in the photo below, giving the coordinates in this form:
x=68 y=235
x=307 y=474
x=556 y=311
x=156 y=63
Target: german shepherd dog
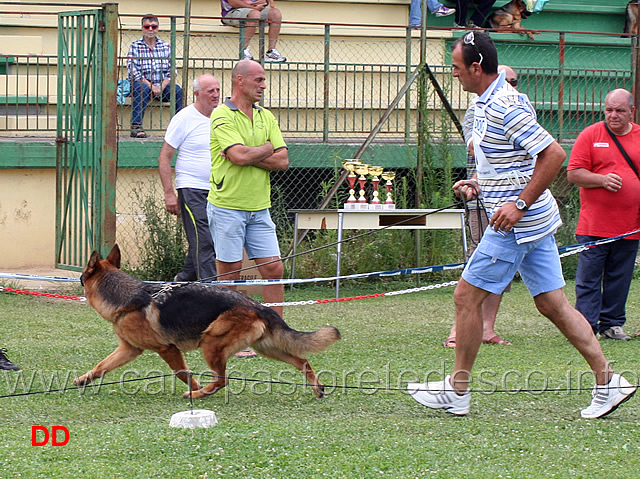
x=509 y=16
x=631 y=22
x=186 y=316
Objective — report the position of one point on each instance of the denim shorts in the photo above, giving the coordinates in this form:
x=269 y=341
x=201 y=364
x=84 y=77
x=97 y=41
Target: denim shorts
x=497 y=258
x=233 y=230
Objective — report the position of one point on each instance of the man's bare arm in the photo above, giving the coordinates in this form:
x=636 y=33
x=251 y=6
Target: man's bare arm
x=249 y=155
x=588 y=179
x=260 y=156
x=547 y=166
x=277 y=162
x=166 y=177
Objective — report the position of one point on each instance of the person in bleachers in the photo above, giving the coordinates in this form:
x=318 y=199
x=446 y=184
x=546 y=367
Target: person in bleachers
x=150 y=73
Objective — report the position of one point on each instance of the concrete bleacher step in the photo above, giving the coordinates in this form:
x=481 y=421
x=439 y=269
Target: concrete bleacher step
x=12 y=125
x=28 y=84
x=20 y=44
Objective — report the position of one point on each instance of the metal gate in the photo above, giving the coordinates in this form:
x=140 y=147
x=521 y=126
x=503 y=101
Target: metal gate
x=86 y=150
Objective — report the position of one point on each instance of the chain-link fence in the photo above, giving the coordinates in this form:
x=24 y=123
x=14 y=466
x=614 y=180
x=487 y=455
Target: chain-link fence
x=332 y=91
x=338 y=82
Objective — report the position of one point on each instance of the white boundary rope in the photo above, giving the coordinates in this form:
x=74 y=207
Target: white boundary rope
x=564 y=251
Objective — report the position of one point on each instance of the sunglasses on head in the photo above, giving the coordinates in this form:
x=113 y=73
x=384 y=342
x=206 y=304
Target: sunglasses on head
x=150 y=27
x=469 y=39
x=513 y=82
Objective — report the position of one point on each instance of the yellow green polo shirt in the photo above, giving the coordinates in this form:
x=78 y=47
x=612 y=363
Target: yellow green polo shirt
x=235 y=187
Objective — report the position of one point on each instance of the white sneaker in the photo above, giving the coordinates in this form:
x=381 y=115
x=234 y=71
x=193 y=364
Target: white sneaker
x=247 y=54
x=274 y=56
x=608 y=397
x=440 y=395
x=444 y=11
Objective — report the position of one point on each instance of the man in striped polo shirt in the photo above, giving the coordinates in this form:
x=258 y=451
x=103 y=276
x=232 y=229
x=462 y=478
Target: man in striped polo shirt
x=516 y=161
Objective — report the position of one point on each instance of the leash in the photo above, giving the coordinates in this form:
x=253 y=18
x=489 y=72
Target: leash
x=481 y=212
x=97 y=386
x=335 y=243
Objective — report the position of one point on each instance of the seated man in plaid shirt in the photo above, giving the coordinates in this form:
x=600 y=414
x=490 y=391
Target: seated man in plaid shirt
x=150 y=73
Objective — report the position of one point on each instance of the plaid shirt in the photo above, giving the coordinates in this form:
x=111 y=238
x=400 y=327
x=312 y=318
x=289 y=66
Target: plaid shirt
x=149 y=64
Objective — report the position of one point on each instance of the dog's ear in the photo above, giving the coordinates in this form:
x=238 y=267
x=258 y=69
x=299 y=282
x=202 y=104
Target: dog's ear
x=89 y=270
x=94 y=259
x=114 y=256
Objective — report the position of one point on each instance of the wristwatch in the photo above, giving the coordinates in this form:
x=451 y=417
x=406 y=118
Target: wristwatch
x=521 y=205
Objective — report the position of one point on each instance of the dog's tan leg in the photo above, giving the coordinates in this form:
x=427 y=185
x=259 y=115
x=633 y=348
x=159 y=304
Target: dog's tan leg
x=228 y=334
x=301 y=364
x=219 y=381
x=174 y=358
x=216 y=354
x=122 y=355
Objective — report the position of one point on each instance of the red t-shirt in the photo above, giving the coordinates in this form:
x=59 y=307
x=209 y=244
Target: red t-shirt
x=604 y=213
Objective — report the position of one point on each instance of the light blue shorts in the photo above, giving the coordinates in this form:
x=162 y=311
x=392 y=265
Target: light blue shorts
x=497 y=258
x=233 y=230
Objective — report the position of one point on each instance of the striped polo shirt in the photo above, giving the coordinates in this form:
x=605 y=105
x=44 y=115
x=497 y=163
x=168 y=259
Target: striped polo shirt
x=511 y=143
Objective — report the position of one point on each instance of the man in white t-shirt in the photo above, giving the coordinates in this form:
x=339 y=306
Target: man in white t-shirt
x=188 y=133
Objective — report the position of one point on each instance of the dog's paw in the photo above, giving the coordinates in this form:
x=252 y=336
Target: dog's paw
x=319 y=390
x=81 y=381
x=196 y=394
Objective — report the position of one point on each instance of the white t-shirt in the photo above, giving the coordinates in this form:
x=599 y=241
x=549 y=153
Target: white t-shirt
x=189 y=132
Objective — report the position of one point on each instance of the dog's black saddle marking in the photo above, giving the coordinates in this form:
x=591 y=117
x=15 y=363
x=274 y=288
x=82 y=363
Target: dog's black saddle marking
x=187 y=309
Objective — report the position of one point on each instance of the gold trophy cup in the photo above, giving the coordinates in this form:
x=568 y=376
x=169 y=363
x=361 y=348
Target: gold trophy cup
x=375 y=172
x=389 y=176
x=362 y=170
x=350 y=166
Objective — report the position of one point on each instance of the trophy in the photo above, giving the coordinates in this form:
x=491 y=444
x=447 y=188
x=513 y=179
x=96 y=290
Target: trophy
x=389 y=176
x=362 y=170
x=350 y=166
x=375 y=171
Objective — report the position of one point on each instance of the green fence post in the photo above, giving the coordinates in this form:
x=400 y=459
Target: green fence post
x=172 y=66
x=185 y=49
x=325 y=110
x=61 y=140
x=561 y=53
x=109 y=127
x=407 y=98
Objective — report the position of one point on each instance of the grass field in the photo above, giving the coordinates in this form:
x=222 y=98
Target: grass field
x=366 y=427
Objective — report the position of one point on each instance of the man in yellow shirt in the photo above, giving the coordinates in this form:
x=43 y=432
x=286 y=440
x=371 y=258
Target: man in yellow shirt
x=246 y=144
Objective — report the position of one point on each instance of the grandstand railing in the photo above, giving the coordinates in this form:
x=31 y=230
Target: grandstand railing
x=340 y=78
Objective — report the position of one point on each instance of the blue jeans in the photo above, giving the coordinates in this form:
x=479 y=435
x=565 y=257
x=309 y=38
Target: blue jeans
x=415 y=10
x=603 y=279
x=140 y=96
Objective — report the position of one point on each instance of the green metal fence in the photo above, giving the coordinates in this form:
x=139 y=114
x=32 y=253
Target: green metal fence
x=85 y=136
x=336 y=82
x=329 y=95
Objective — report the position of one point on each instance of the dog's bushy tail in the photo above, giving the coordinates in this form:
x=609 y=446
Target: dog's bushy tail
x=299 y=343
x=278 y=335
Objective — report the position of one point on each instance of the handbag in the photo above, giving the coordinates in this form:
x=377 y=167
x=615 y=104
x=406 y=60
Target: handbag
x=624 y=153
x=123 y=90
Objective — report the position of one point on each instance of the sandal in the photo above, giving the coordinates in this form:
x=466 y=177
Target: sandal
x=137 y=132
x=450 y=343
x=246 y=353
x=497 y=340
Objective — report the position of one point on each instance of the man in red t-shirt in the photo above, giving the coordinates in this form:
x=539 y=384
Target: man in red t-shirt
x=610 y=206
